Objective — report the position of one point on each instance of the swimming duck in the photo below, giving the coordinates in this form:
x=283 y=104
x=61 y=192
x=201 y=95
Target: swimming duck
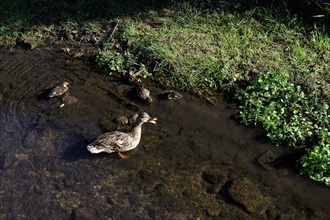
x=59 y=90
x=141 y=94
x=119 y=141
x=170 y=94
x=126 y=120
x=67 y=99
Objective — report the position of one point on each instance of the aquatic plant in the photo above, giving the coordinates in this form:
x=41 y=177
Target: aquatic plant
x=316 y=162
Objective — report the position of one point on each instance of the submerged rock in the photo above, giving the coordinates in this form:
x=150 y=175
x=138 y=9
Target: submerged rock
x=266 y=160
x=4 y=161
x=246 y=194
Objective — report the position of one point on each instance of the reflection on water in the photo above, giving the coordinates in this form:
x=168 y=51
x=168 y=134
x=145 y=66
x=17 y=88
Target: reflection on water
x=187 y=166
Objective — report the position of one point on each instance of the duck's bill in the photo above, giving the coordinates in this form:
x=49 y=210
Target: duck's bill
x=152 y=120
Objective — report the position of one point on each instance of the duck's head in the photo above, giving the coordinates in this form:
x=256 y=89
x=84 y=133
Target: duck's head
x=65 y=83
x=144 y=117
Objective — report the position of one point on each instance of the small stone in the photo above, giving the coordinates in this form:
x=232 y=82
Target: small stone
x=284 y=172
x=77 y=54
x=266 y=160
x=210 y=177
x=110 y=201
x=213 y=211
x=248 y=196
x=68 y=182
x=4 y=161
x=148 y=176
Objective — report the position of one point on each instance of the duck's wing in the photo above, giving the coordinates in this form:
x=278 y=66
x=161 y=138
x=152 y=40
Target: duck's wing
x=113 y=141
x=57 y=91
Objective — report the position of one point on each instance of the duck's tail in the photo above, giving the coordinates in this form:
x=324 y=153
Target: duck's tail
x=94 y=149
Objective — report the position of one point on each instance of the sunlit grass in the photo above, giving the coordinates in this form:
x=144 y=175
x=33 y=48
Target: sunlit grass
x=19 y=16
x=209 y=52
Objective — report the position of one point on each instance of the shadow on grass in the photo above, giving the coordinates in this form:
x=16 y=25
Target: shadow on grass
x=23 y=13
x=31 y=12
x=310 y=12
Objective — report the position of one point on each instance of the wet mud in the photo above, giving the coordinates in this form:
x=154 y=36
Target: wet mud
x=196 y=163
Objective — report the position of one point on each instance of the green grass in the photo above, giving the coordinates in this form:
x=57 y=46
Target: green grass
x=211 y=51
x=19 y=16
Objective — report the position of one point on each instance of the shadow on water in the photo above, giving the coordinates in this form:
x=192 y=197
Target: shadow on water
x=196 y=162
x=76 y=151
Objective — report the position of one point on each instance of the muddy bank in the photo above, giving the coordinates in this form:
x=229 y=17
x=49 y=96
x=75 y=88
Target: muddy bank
x=197 y=162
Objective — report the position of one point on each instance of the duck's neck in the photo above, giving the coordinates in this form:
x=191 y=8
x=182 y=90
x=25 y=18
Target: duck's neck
x=136 y=131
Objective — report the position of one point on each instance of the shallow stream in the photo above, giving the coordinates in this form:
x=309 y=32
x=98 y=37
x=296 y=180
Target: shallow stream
x=196 y=162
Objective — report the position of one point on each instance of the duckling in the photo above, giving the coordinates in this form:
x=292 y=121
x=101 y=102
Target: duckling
x=170 y=94
x=126 y=120
x=119 y=141
x=141 y=94
x=59 y=90
x=67 y=99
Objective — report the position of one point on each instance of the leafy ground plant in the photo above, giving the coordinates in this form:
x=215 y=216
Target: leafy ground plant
x=316 y=162
x=289 y=117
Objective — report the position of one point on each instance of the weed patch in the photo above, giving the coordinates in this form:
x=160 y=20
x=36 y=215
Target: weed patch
x=290 y=117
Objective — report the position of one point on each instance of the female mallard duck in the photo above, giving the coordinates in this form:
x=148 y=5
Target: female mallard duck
x=118 y=141
x=59 y=90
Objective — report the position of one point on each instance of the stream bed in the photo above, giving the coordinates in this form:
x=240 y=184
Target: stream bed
x=197 y=162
